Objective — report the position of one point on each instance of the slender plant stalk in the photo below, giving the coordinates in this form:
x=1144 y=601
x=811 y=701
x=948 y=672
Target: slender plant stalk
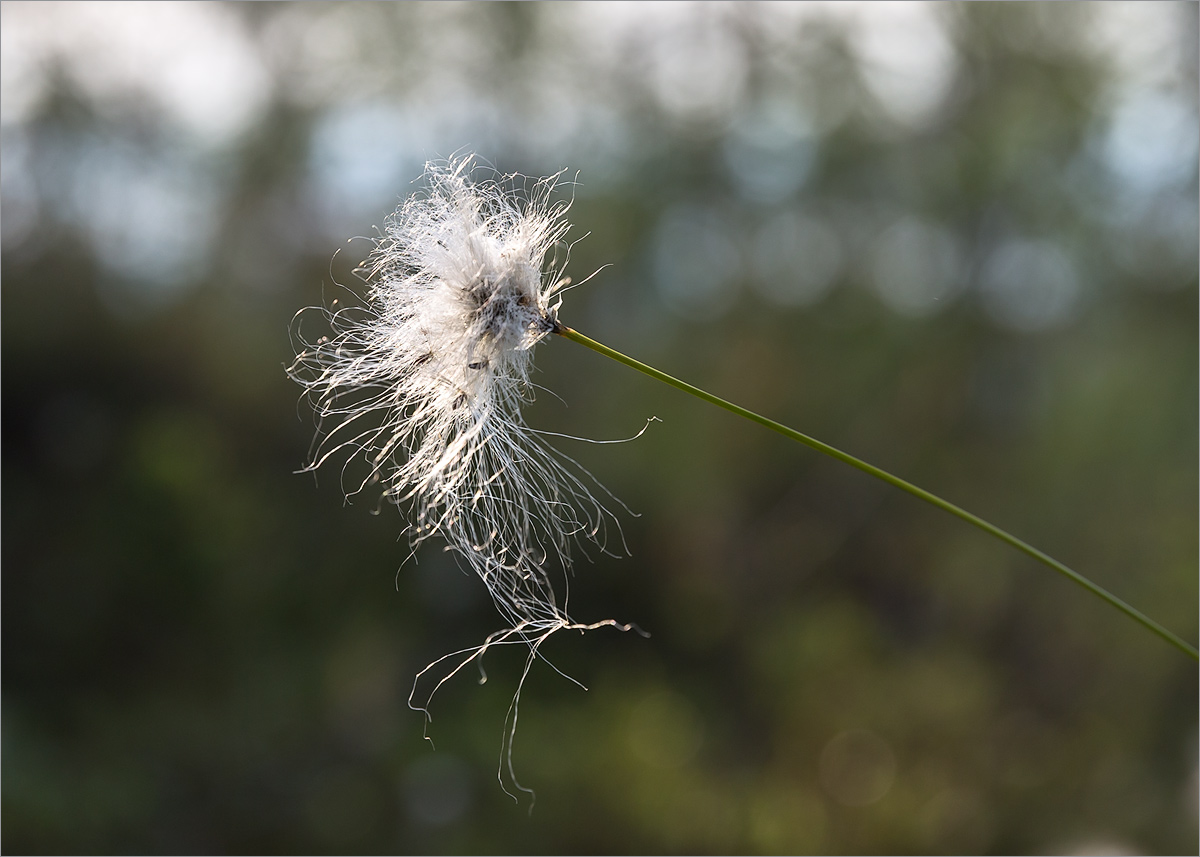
x=832 y=452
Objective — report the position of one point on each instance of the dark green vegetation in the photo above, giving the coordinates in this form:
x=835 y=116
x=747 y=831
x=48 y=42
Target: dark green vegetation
x=972 y=262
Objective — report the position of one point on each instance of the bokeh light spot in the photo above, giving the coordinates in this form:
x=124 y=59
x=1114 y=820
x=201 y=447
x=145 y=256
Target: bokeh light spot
x=857 y=768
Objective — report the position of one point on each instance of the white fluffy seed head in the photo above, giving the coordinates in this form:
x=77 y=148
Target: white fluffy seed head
x=426 y=382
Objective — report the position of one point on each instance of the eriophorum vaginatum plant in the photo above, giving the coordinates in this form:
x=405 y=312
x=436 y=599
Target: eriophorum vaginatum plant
x=426 y=382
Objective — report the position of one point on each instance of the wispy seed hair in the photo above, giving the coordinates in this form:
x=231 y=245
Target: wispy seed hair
x=426 y=383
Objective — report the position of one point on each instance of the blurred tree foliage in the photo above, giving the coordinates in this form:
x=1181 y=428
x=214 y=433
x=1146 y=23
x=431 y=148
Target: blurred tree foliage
x=959 y=241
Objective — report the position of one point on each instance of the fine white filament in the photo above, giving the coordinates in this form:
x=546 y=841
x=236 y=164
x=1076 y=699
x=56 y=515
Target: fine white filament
x=426 y=383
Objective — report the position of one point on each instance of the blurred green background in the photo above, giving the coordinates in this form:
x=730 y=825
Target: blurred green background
x=958 y=241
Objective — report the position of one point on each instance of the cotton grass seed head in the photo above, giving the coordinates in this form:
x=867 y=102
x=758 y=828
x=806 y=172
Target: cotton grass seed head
x=426 y=383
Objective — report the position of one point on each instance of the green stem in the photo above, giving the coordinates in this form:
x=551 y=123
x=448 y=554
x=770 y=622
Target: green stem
x=1045 y=559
